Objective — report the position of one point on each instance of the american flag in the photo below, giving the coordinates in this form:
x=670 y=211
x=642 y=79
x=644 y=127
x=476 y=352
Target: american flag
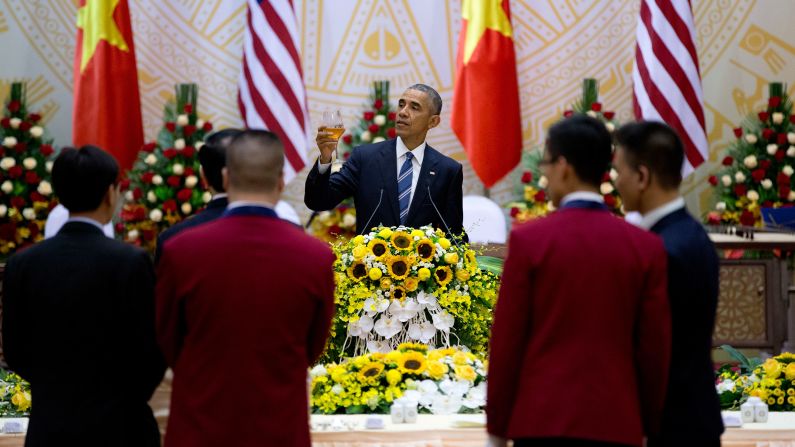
x=271 y=91
x=666 y=78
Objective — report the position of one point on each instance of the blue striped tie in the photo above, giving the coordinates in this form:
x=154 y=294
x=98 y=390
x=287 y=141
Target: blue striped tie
x=404 y=187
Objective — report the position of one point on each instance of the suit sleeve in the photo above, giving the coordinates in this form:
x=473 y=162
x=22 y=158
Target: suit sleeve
x=508 y=337
x=17 y=320
x=168 y=309
x=653 y=341
x=325 y=191
x=319 y=329
x=454 y=212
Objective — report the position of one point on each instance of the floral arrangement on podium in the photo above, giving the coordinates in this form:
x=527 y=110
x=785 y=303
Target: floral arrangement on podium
x=15 y=397
x=334 y=224
x=441 y=381
x=531 y=185
x=163 y=187
x=26 y=195
x=757 y=172
x=772 y=381
x=399 y=284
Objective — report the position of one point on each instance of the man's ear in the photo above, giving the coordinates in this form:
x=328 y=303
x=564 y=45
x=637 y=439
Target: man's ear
x=434 y=121
x=644 y=177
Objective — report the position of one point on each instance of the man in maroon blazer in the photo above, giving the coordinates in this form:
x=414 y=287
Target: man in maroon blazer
x=581 y=337
x=244 y=305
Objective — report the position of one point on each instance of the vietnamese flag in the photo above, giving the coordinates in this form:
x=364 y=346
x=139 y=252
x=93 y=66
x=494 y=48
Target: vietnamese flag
x=107 y=107
x=486 y=112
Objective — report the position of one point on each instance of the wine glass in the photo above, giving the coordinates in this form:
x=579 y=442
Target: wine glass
x=333 y=124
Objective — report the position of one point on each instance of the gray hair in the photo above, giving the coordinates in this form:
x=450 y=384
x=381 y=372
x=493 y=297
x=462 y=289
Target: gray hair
x=436 y=100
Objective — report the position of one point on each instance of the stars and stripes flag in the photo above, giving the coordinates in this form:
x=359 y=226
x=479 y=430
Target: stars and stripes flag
x=271 y=93
x=666 y=77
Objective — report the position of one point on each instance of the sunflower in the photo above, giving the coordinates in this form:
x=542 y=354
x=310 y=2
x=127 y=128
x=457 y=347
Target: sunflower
x=409 y=346
x=425 y=249
x=401 y=240
x=378 y=248
x=470 y=258
x=443 y=275
x=398 y=293
x=398 y=266
x=411 y=362
x=371 y=371
x=357 y=271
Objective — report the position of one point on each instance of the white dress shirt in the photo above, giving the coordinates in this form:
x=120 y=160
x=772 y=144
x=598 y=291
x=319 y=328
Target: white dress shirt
x=60 y=215
x=651 y=218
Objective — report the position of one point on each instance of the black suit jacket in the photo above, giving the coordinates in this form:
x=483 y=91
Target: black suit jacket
x=370 y=176
x=213 y=211
x=78 y=324
x=692 y=408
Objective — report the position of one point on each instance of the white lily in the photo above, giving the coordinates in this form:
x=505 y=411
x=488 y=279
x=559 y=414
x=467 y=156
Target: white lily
x=387 y=327
x=443 y=321
x=404 y=311
x=423 y=332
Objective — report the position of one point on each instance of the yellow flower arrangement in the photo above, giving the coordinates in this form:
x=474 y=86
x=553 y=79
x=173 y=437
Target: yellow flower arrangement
x=401 y=240
x=412 y=362
x=357 y=271
x=773 y=381
x=425 y=249
x=398 y=266
x=443 y=275
x=15 y=396
x=378 y=248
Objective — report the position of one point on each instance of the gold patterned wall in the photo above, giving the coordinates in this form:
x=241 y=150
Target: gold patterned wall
x=345 y=44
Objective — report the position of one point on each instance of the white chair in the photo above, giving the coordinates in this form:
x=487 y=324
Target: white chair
x=287 y=212
x=484 y=220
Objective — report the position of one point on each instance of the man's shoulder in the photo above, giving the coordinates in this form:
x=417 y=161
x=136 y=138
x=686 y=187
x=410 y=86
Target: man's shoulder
x=373 y=149
x=202 y=217
x=441 y=159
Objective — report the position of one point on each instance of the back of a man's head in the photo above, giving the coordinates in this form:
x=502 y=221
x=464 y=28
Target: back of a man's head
x=81 y=177
x=254 y=161
x=585 y=144
x=654 y=145
x=212 y=156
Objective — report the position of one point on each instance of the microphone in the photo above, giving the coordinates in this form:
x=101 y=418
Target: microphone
x=452 y=236
x=380 y=197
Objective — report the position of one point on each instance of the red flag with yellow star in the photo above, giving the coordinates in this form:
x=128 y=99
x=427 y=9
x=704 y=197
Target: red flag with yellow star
x=107 y=106
x=486 y=112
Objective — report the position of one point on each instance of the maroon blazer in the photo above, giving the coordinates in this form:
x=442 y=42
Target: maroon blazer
x=244 y=306
x=581 y=338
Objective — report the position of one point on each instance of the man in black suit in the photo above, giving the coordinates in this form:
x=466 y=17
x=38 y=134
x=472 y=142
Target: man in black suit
x=78 y=319
x=402 y=181
x=212 y=157
x=649 y=161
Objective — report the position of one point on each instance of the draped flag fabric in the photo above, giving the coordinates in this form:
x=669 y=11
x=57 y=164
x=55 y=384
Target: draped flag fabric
x=107 y=105
x=271 y=88
x=666 y=77
x=486 y=111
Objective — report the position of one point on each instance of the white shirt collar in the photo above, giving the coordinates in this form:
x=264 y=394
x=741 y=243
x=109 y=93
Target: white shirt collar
x=239 y=203
x=86 y=220
x=582 y=195
x=651 y=218
x=418 y=152
x=219 y=195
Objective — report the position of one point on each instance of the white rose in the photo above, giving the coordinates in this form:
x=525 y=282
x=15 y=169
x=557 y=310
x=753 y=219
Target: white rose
x=29 y=214
x=48 y=166
x=720 y=206
x=726 y=180
x=772 y=149
x=543 y=182
x=791 y=151
x=7 y=187
x=36 y=131
x=151 y=196
x=156 y=215
x=366 y=136
x=750 y=138
x=128 y=196
x=767 y=183
x=752 y=195
x=613 y=174
x=787 y=170
x=750 y=162
x=606 y=188
x=610 y=127
x=182 y=120
x=179 y=144
x=199 y=123
x=177 y=169
x=44 y=188
x=380 y=120
x=591 y=113
x=739 y=177
x=206 y=197
x=150 y=159
x=791 y=137
x=191 y=181
x=3 y=210
x=186 y=208
x=29 y=163
x=378 y=139
x=199 y=145
x=349 y=220
x=778 y=118
x=157 y=180
x=791 y=196
x=132 y=235
x=9 y=141
x=15 y=122
x=7 y=163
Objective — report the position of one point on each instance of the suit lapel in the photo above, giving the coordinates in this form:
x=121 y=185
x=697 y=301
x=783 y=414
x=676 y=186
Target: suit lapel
x=668 y=220
x=389 y=170
x=424 y=182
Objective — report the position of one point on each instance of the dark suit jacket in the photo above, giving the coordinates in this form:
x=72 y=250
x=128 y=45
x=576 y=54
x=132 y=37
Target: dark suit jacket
x=692 y=409
x=370 y=176
x=78 y=324
x=256 y=295
x=213 y=211
x=581 y=334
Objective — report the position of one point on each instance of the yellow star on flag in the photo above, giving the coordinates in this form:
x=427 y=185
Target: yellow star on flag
x=480 y=16
x=96 y=21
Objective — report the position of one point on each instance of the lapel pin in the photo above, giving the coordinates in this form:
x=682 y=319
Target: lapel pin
x=432 y=172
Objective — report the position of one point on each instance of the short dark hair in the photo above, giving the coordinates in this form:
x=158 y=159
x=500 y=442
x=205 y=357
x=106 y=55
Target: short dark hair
x=212 y=156
x=585 y=144
x=81 y=177
x=436 y=100
x=655 y=145
x=255 y=160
